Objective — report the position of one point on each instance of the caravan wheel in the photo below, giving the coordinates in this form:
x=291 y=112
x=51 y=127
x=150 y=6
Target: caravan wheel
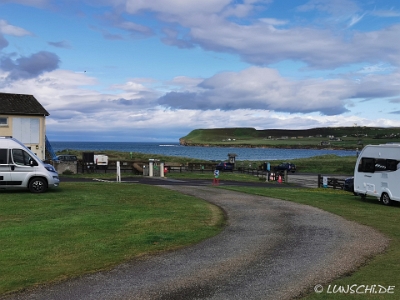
x=386 y=199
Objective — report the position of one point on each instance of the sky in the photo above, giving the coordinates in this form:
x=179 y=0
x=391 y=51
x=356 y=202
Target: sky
x=154 y=70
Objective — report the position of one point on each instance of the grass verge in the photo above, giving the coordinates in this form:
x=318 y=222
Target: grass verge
x=383 y=270
x=234 y=176
x=85 y=227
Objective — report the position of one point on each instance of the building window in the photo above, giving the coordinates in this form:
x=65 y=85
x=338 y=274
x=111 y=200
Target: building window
x=3 y=121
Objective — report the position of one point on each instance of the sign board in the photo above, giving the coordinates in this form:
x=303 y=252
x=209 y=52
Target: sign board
x=325 y=181
x=216 y=173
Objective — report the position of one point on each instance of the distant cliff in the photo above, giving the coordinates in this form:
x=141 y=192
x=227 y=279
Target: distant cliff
x=314 y=138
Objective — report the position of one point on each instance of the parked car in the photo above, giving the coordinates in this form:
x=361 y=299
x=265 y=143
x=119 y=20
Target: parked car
x=225 y=166
x=285 y=167
x=67 y=158
x=349 y=185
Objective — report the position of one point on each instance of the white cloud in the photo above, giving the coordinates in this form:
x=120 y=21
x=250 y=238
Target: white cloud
x=34 y=3
x=390 y=13
x=6 y=28
x=335 y=8
x=185 y=83
x=263 y=88
x=75 y=108
x=376 y=68
x=273 y=22
x=177 y=7
x=355 y=19
x=264 y=41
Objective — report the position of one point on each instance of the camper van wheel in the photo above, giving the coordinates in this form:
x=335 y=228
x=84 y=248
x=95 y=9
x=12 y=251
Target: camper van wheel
x=386 y=199
x=37 y=185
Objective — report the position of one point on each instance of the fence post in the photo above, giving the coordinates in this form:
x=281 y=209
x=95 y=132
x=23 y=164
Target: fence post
x=319 y=180
x=118 y=172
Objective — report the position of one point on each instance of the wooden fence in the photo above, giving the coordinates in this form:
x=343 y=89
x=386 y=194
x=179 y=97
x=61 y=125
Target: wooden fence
x=125 y=167
x=331 y=182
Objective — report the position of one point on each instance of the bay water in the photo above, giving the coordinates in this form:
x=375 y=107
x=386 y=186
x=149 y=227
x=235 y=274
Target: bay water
x=205 y=153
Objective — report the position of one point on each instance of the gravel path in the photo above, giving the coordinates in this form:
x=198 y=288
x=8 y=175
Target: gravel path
x=271 y=249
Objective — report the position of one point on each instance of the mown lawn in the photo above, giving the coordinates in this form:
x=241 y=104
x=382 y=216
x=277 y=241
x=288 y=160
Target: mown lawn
x=383 y=270
x=85 y=227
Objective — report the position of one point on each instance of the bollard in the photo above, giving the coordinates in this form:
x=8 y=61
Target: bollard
x=118 y=172
x=150 y=168
x=161 y=169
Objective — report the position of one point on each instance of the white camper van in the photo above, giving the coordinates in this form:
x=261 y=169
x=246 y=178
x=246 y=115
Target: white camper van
x=377 y=172
x=21 y=168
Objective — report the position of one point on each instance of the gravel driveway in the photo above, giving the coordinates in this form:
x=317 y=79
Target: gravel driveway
x=271 y=249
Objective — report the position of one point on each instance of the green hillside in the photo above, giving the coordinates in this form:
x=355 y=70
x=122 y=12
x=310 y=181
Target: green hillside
x=323 y=137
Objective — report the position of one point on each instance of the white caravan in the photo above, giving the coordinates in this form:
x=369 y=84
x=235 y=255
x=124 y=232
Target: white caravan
x=21 y=168
x=377 y=172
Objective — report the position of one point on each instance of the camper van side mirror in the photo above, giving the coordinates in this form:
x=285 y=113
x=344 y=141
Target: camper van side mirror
x=32 y=163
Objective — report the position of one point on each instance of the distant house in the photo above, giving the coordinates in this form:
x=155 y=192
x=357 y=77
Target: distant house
x=337 y=139
x=23 y=117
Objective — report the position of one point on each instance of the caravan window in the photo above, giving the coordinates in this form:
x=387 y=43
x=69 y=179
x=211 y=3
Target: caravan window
x=367 y=165
x=392 y=164
x=371 y=165
x=380 y=165
x=385 y=165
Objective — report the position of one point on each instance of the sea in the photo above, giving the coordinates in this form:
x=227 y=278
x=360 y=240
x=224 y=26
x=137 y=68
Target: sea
x=204 y=153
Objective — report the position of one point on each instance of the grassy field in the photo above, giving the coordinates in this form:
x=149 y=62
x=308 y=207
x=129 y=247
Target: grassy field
x=382 y=270
x=85 y=227
x=324 y=164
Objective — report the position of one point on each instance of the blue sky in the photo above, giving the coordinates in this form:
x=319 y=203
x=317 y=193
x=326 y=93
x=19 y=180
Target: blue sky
x=153 y=70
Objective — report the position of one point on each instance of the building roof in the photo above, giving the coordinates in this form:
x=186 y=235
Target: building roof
x=19 y=104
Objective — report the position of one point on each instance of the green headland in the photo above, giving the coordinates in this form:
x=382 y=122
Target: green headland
x=315 y=138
